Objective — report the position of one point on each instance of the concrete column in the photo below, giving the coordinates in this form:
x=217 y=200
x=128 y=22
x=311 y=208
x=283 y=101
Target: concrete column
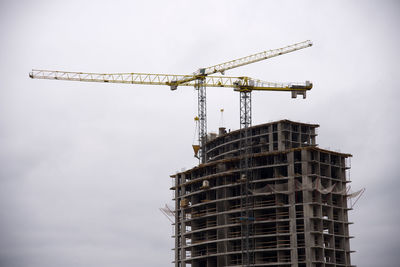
x=292 y=211
x=281 y=146
x=307 y=209
x=222 y=232
x=271 y=139
x=177 y=259
x=183 y=224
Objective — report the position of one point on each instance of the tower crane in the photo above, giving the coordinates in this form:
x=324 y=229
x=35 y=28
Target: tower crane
x=201 y=79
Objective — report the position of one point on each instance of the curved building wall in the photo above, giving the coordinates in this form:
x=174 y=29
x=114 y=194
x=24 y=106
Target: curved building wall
x=297 y=203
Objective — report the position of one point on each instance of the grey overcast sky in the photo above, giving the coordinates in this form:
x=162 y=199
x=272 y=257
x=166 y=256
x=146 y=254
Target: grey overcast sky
x=84 y=167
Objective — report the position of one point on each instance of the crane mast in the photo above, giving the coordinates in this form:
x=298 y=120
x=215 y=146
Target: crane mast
x=202 y=115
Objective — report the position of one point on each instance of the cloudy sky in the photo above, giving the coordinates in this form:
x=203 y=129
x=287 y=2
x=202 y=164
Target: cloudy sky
x=84 y=167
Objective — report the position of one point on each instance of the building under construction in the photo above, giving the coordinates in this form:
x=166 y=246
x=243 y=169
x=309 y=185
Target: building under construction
x=287 y=206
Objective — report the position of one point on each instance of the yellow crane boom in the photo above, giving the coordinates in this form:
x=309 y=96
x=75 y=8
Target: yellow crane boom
x=238 y=83
x=221 y=68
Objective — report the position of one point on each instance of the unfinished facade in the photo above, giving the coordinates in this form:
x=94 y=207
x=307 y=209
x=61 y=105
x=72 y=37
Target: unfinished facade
x=295 y=202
